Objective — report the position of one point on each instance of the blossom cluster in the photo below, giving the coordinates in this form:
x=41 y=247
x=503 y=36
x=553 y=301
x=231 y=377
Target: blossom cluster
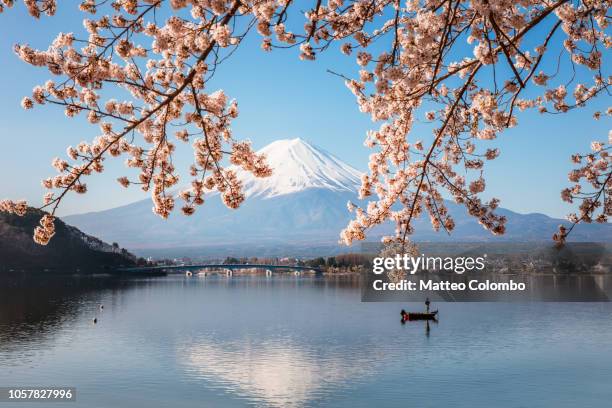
x=45 y=231
x=14 y=207
x=35 y=7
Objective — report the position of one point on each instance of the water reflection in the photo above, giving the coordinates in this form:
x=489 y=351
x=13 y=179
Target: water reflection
x=278 y=372
x=36 y=309
x=32 y=309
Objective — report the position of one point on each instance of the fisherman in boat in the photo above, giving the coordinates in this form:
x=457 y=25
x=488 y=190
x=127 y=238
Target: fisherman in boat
x=419 y=315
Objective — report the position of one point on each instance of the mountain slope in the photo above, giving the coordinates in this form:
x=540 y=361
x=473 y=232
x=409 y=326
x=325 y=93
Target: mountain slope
x=69 y=248
x=302 y=203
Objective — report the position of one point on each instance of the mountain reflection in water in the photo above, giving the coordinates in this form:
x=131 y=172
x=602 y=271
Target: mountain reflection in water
x=276 y=372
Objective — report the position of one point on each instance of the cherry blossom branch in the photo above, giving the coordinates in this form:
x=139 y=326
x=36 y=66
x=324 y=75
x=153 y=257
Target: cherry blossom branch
x=597 y=174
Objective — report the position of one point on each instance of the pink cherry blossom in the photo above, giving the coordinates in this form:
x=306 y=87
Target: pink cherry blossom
x=412 y=62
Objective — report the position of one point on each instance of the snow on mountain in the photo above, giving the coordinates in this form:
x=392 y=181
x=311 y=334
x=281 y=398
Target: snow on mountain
x=299 y=166
x=302 y=204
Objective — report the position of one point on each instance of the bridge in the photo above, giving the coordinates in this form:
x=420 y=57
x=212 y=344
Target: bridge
x=228 y=268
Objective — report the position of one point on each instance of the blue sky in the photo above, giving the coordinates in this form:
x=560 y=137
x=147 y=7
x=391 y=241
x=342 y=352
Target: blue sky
x=279 y=97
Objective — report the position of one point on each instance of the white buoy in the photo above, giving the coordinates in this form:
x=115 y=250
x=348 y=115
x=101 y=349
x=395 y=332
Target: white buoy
x=188 y=273
x=268 y=272
x=297 y=273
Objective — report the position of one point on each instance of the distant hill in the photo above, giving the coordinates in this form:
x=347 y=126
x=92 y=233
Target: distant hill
x=301 y=206
x=69 y=250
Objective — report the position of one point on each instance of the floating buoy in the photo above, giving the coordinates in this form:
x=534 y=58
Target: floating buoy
x=101 y=307
x=188 y=273
x=95 y=320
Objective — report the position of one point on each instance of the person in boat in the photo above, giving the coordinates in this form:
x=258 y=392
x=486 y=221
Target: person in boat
x=427 y=302
x=405 y=316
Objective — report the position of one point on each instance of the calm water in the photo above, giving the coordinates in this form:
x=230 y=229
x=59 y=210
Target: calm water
x=295 y=342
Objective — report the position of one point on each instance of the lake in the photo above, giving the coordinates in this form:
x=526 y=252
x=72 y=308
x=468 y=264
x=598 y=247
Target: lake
x=294 y=341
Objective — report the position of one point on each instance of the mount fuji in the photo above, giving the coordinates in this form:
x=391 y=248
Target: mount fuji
x=303 y=204
x=299 y=166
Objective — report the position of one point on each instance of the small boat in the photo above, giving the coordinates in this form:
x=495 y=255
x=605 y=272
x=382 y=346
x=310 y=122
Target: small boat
x=422 y=315
x=411 y=316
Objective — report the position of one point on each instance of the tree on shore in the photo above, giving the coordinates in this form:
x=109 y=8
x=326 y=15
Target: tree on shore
x=468 y=67
x=316 y=262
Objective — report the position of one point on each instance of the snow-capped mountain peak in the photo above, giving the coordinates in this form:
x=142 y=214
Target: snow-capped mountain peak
x=298 y=165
